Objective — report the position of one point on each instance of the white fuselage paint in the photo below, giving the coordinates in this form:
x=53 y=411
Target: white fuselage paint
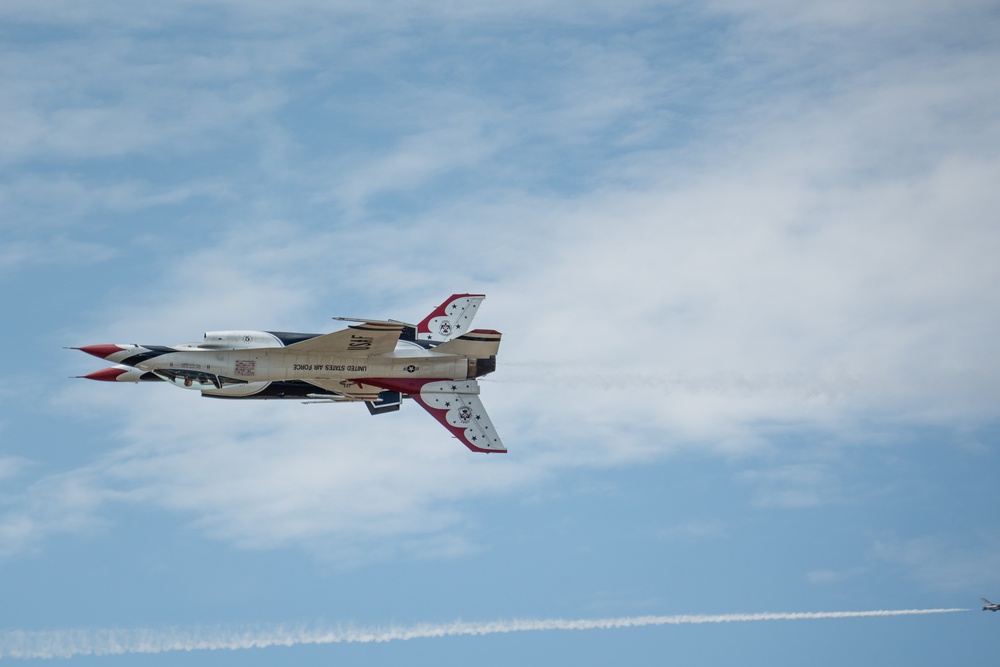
x=278 y=364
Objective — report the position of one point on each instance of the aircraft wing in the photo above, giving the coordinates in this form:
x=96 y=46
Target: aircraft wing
x=363 y=340
x=454 y=403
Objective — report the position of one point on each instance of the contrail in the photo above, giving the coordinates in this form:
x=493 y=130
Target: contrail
x=98 y=642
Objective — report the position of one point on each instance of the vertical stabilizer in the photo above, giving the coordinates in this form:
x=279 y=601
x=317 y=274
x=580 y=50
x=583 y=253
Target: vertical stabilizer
x=452 y=318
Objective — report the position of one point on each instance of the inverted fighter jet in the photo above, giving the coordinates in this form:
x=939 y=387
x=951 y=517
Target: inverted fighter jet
x=989 y=606
x=375 y=362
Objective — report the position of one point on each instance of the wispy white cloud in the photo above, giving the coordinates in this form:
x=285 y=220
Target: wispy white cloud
x=60 y=200
x=945 y=563
x=11 y=466
x=59 y=250
x=794 y=485
x=825 y=577
x=456 y=142
x=717 y=325
x=695 y=530
x=62 y=503
x=803 y=257
x=101 y=92
x=300 y=475
x=853 y=14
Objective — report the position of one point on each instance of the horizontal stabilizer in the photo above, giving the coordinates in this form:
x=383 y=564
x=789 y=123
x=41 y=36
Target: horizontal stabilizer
x=364 y=339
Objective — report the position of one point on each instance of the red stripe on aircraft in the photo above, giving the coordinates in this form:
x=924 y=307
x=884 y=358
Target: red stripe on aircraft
x=106 y=374
x=101 y=351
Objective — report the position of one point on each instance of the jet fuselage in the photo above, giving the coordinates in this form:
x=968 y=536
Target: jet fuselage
x=435 y=362
x=282 y=364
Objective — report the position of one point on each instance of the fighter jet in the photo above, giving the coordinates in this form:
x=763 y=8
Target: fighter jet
x=989 y=606
x=375 y=362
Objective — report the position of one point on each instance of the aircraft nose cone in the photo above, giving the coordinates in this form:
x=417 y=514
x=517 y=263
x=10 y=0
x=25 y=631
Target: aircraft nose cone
x=100 y=351
x=106 y=374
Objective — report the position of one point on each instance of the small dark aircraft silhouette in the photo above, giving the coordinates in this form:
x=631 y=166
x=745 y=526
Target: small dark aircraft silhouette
x=989 y=606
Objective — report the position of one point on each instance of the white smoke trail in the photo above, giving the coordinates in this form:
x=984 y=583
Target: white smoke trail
x=804 y=384
x=69 y=643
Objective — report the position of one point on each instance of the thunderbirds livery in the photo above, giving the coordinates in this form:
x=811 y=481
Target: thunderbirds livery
x=375 y=362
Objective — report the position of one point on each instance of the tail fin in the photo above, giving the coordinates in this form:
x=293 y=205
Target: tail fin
x=478 y=343
x=451 y=318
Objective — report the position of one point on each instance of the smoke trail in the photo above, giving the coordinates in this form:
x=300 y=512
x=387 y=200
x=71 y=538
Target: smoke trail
x=69 y=643
x=804 y=384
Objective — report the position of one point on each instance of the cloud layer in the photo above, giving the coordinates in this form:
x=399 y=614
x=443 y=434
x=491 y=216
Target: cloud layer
x=683 y=255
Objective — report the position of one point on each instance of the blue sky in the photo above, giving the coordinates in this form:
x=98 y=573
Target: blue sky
x=743 y=256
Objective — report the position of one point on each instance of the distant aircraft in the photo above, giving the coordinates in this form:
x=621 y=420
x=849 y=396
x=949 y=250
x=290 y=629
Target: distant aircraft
x=989 y=606
x=435 y=362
